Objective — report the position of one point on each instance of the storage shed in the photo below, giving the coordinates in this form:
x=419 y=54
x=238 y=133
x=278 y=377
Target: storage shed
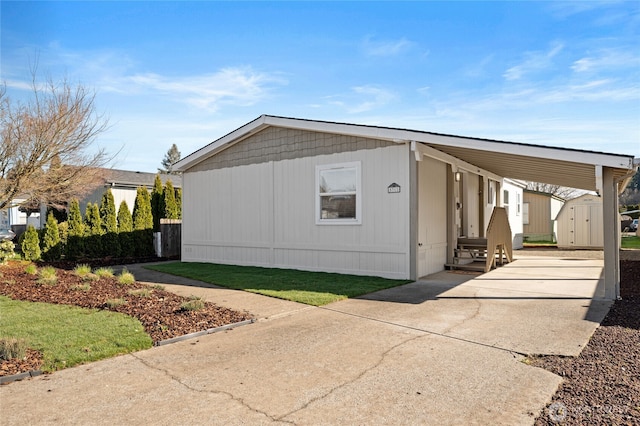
x=580 y=223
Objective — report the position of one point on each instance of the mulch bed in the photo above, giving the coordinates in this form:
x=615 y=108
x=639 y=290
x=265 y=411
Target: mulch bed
x=160 y=312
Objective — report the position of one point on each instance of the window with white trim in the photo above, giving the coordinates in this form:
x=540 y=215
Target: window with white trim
x=518 y=204
x=338 y=194
x=505 y=201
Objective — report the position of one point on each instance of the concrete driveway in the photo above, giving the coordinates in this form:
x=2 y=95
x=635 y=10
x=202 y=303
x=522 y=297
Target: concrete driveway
x=443 y=350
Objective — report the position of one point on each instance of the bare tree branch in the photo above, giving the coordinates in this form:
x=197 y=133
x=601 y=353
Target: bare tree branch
x=559 y=191
x=46 y=152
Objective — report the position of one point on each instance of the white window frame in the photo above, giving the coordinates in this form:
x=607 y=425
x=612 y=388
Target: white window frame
x=518 y=204
x=358 y=193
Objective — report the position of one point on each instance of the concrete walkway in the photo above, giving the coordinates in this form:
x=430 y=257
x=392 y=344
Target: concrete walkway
x=443 y=350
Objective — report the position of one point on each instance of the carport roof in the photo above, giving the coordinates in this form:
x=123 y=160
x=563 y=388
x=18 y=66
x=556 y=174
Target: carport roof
x=559 y=166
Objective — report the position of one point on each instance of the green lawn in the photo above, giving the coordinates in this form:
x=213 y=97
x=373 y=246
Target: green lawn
x=69 y=335
x=312 y=288
x=631 y=242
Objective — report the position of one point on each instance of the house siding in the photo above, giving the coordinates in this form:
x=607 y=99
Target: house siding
x=540 y=226
x=263 y=213
x=432 y=214
x=277 y=144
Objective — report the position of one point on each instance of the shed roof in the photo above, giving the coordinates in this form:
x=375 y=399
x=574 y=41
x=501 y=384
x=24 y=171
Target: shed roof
x=559 y=166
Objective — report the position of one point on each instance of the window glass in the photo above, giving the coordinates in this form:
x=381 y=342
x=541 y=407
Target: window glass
x=338 y=193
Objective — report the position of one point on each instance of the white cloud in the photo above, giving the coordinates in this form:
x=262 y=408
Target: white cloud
x=362 y=99
x=387 y=47
x=607 y=60
x=234 y=86
x=534 y=61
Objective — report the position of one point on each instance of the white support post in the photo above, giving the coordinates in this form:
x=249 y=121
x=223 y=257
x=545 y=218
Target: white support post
x=611 y=231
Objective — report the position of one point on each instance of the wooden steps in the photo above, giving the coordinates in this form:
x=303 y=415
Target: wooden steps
x=483 y=254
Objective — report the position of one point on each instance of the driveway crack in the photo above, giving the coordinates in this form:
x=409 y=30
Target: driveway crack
x=355 y=379
x=177 y=380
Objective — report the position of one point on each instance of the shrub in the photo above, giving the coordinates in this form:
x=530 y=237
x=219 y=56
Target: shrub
x=141 y=292
x=82 y=270
x=31 y=269
x=104 y=272
x=11 y=348
x=93 y=231
x=51 y=245
x=170 y=206
x=6 y=251
x=125 y=228
x=81 y=287
x=194 y=303
x=30 y=244
x=48 y=275
x=179 y=202
x=75 y=239
x=157 y=203
x=109 y=222
x=126 y=277
x=114 y=303
x=143 y=223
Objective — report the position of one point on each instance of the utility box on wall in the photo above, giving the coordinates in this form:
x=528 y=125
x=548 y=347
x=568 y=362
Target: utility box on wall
x=580 y=223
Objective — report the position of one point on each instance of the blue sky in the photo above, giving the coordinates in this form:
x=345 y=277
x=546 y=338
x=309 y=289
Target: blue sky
x=551 y=73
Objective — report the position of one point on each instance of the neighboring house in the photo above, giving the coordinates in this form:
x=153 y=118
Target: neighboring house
x=580 y=223
x=540 y=210
x=124 y=185
x=368 y=200
x=19 y=216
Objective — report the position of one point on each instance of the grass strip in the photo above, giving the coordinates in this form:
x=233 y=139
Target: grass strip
x=630 y=242
x=311 y=288
x=69 y=335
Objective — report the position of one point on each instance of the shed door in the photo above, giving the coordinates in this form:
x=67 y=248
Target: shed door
x=581 y=226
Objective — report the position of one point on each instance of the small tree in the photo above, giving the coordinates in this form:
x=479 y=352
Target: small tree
x=93 y=231
x=143 y=223
x=157 y=203
x=125 y=230
x=51 y=244
x=109 y=223
x=170 y=206
x=179 y=202
x=30 y=244
x=170 y=158
x=75 y=235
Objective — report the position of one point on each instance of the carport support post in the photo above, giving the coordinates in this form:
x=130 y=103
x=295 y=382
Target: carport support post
x=611 y=230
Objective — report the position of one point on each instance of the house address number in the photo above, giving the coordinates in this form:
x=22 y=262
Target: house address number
x=394 y=188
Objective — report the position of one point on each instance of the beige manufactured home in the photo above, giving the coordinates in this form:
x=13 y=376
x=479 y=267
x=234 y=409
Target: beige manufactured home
x=325 y=196
x=540 y=211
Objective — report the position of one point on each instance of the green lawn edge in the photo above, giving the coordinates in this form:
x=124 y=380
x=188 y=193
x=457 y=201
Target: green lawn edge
x=69 y=335
x=311 y=288
x=630 y=242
